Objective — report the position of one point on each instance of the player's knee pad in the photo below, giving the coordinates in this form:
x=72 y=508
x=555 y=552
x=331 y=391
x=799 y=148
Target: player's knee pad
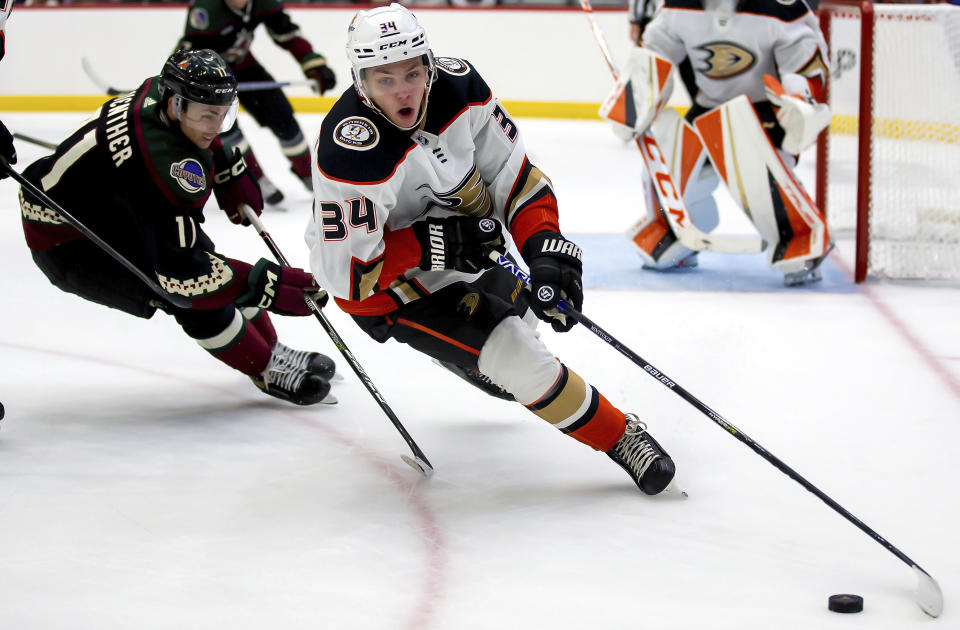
x=516 y=360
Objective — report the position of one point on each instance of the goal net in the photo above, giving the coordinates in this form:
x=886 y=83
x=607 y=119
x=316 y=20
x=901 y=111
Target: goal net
x=896 y=180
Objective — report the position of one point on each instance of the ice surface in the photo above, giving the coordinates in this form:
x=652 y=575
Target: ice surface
x=144 y=485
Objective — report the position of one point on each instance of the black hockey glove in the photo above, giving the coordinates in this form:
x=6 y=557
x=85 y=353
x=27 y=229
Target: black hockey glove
x=315 y=67
x=7 y=151
x=460 y=243
x=281 y=289
x=556 y=266
x=234 y=185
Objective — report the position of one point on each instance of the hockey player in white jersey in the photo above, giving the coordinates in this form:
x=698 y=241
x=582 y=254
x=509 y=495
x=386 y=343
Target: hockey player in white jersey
x=760 y=74
x=420 y=172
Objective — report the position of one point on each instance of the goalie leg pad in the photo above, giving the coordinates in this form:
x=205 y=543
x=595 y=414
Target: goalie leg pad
x=763 y=185
x=686 y=159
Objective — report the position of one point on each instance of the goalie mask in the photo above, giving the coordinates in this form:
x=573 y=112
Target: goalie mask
x=202 y=88
x=383 y=37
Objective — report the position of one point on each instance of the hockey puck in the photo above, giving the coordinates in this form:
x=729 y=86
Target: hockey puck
x=845 y=603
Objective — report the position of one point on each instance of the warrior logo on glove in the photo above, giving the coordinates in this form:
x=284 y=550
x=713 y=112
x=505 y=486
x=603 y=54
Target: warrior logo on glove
x=545 y=294
x=561 y=246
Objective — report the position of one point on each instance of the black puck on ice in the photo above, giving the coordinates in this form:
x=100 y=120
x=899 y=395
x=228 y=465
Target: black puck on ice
x=845 y=603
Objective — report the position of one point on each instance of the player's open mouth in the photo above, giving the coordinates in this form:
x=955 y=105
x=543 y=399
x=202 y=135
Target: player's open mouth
x=406 y=111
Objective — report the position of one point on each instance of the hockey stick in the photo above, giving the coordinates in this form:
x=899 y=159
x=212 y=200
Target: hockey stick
x=929 y=596
x=674 y=210
x=419 y=461
x=243 y=86
x=179 y=301
x=36 y=141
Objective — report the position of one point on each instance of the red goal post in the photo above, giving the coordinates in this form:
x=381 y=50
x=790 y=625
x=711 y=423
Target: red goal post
x=892 y=181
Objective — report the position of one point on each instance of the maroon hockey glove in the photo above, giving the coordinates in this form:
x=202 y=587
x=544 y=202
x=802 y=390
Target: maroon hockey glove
x=281 y=289
x=460 y=243
x=315 y=67
x=234 y=185
x=556 y=268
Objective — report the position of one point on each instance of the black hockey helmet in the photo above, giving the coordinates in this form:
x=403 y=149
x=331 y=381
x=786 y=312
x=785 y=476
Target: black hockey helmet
x=201 y=76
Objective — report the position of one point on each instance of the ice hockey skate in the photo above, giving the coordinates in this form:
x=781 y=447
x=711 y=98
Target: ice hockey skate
x=272 y=195
x=313 y=362
x=650 y=467
x=810 y=272
x=297 y=385
x=478 y=380
x=688 y=262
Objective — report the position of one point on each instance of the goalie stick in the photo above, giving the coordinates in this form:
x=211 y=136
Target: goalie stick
x=674 y=210
x=179 y=301
x=929 y=597
x=419 y=461
x=243 y=86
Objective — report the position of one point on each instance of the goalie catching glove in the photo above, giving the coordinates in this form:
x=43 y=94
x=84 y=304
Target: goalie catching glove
x=801 y=117
x=556 y=267
x=234 y=185
x=459 y=243
x=281 y=290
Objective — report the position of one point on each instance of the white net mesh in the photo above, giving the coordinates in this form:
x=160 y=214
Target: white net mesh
x=914 y=226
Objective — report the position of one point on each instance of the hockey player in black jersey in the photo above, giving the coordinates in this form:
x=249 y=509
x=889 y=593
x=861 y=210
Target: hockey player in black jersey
x=419 y=173
x=159 y=150
x=227 y=27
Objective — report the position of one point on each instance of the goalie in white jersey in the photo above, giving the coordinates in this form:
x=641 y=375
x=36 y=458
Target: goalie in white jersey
x=410 y=199
x=760 y=74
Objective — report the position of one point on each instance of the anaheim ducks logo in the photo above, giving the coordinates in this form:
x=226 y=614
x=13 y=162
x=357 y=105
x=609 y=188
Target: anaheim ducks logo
x=357 y=133
x=468 y=304
x=726 y=59
x=452 y=65
x=469 y=197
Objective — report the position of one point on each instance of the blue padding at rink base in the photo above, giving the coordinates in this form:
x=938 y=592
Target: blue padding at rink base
x=610 y=262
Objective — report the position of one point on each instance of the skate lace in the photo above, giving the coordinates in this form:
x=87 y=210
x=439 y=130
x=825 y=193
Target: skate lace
x=483 y=378
x=636 y=452
x=283 y=375
x=294 y=358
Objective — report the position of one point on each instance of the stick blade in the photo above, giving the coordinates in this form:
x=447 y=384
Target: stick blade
x=929 y=596
x=418 y=464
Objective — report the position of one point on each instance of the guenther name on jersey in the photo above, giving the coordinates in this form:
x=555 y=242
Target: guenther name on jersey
x=117 y=130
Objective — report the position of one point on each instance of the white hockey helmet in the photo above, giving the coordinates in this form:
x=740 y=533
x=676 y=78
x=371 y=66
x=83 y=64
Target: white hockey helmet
x=386 y=35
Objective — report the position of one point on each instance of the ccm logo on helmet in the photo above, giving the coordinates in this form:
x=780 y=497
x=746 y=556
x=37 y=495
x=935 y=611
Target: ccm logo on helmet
x=400 y=42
